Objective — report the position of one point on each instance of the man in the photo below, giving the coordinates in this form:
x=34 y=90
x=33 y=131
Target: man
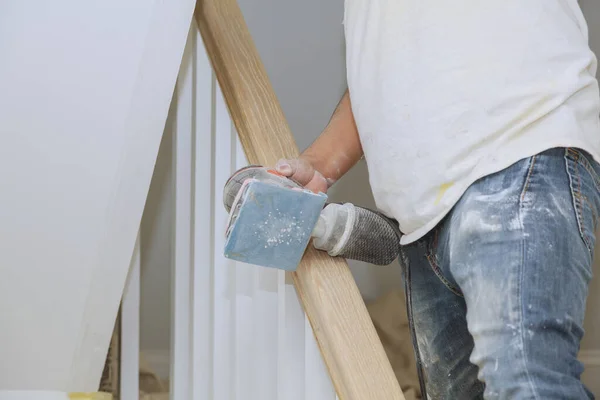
x=479 y=124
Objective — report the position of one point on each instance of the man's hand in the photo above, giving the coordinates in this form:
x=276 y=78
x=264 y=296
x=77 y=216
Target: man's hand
x=331 y=155
x=303 y=172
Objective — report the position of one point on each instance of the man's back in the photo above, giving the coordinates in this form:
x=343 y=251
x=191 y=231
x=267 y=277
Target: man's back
x=444 y=93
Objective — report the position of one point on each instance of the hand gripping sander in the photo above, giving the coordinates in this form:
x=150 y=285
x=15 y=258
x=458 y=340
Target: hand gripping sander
x=272 y=219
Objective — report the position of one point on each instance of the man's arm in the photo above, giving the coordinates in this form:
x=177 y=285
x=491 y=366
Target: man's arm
x=338 y=147
x=331 y=155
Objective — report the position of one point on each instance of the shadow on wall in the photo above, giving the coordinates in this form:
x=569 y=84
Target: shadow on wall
x=156 y=243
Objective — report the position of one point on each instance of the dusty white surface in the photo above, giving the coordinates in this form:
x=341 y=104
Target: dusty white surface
x=84 y=93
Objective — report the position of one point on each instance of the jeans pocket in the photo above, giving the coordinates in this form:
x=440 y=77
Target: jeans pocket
x=432 y=259
x=585 y=192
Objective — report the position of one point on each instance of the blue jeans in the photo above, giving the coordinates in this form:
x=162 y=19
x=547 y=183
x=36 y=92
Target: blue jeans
x=496 y=293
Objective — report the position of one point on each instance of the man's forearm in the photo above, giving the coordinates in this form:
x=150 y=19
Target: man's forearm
x=338 y=147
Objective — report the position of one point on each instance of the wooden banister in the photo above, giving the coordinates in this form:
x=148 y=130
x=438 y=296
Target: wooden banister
x=353 y=353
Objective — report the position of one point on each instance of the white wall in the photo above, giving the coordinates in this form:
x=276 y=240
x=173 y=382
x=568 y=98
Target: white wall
x=85 y=89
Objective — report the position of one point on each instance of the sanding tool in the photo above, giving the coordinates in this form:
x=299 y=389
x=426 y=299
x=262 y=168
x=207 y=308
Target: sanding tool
x=272 y=219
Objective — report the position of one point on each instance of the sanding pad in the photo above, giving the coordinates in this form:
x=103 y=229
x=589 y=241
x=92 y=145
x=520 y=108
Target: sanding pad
x=271 y=225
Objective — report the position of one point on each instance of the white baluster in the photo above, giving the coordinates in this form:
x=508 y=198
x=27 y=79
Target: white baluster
x=224 y=285
x=181 y=329
x=203 y=225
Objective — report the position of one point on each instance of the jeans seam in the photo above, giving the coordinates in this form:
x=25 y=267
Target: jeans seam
x=573 y=159
x=527 y=180
x=582 y=160
x=432 y=259
x=520 y=279
x=438 y=273
x=413 y=334
x=576 y=194
x=585 y=164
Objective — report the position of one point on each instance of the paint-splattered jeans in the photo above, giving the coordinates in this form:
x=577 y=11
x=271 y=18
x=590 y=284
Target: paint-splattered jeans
x=497 y=291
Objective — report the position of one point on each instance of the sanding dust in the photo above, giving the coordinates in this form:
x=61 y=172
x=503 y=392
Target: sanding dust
x=280 y=229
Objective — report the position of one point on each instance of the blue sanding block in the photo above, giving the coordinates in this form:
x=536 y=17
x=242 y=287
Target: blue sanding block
x=271 y=225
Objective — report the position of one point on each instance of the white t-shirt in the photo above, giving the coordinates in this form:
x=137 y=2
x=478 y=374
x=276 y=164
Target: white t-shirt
x=446 y=92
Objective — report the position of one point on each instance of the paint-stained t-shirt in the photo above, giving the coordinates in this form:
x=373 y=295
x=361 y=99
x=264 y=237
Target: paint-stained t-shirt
x=447 y=92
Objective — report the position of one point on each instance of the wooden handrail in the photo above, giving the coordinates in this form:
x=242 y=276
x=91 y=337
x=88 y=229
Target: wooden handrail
x=353 y=353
